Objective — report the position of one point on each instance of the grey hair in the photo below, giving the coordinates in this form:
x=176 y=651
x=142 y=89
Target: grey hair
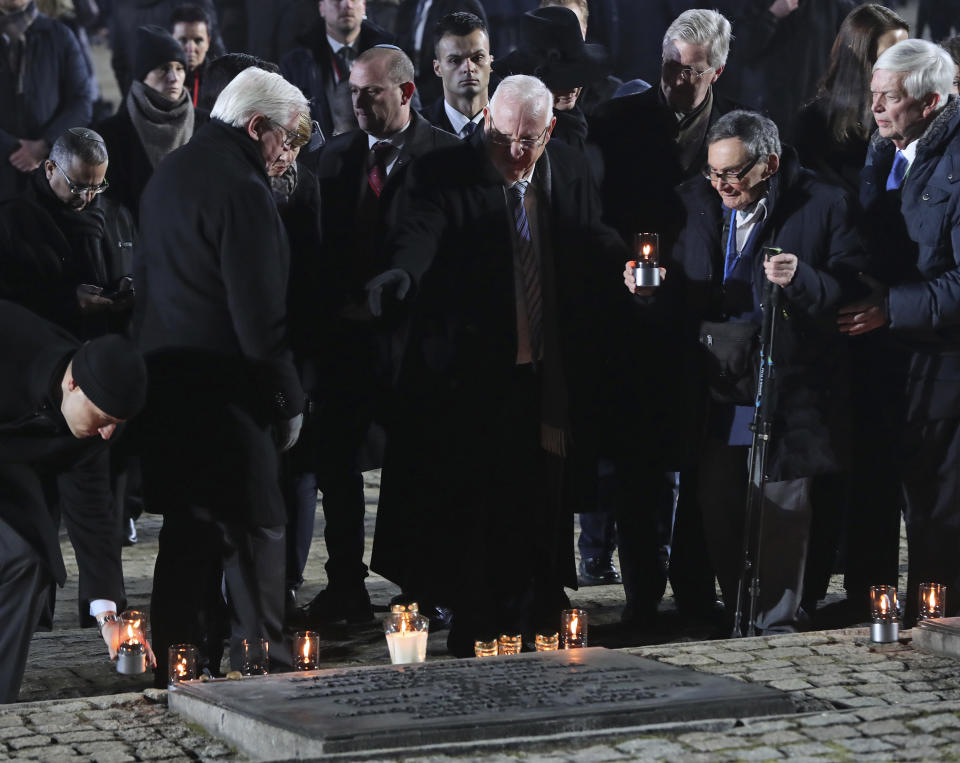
x=527 y=92
x=758 y=134
x=399 y=65
x=79 y=143
x=255 y=91
x=702 y=27
x=929 y=68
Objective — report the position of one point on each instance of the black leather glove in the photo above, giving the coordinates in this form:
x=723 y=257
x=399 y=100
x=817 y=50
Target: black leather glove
x=395 y=281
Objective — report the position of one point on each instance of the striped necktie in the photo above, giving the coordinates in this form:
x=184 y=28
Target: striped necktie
x=529 y=267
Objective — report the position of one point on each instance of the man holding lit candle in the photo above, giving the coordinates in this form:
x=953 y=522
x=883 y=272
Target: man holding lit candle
x=911 y=196
x=716 y=287
x=60 y=402
x=505 y=252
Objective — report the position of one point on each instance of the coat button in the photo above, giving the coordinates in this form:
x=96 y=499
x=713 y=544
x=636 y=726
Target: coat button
x=926 y=197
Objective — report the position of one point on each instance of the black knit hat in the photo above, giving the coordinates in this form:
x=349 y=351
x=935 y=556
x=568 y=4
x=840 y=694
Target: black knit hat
x=155 y=46
x=111 y=373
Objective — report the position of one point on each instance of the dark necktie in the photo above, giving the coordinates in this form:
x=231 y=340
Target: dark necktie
x=467 y=130
x=529 y=267
x=344 y=60
x=897 y=171
x=377 y=172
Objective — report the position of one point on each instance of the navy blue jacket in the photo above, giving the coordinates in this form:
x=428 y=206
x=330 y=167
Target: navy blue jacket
x=55 y=95
x=924 y=303
x=815 y=221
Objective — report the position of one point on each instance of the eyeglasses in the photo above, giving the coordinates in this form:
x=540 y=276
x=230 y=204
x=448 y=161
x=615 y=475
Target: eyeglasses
x=306 y=130
x=729 y=177
x=685 y=73
x=528 y=144
x=82 y=190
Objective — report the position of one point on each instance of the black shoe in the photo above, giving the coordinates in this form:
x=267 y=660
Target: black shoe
x=333 y=605
x=598 y=571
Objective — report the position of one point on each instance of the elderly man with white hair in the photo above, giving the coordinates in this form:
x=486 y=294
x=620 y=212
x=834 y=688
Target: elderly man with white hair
x=211 y=322
x=506 y=257
x=911 y=195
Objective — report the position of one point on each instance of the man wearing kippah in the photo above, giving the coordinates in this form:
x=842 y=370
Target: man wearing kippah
x=60 y=402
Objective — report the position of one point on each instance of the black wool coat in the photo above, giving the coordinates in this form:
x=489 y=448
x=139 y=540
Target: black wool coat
x=815 y=221
x=211 y=321
x=129 y=169
x=37 y=447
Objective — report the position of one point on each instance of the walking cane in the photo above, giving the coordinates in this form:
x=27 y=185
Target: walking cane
x=762 y=427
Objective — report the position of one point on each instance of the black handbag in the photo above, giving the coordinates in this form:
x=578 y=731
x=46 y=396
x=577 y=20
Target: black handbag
x=731 y=353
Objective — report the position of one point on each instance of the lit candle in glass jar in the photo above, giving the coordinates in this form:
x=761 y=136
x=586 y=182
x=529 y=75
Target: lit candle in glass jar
x=885 y=627
x=306 y=646
x=931 y=600
x=132 y=650
x=574 y=628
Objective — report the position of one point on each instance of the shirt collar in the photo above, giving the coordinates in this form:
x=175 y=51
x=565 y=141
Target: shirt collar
x=458 y=120
x=396 y=140
x=335 y=45
x=754 y=213
x=910 y=152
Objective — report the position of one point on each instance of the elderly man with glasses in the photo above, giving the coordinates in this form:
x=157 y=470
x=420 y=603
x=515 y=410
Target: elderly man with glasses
x=754 y=194
x=66 y=250
x=211 y=320
x=504 y=253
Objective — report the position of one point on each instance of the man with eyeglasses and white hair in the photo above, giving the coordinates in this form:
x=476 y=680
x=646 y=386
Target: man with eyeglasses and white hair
x=64 y=249
x=754 y=194
x=211 y=322
x=503 y=252
x=911 y=197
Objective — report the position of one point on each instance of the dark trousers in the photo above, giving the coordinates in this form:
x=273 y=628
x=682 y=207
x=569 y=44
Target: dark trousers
x=931 y=482
x=24 y=586
x=197 y=555
x=783 y=544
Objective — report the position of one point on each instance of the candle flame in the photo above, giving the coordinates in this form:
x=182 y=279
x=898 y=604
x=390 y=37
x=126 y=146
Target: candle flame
x=132 y=634
x=933 y=599
x=306 y=649
x=883 y=604
x=574 y=625
x=646 y=250
x=403 y=625
x=182 y=667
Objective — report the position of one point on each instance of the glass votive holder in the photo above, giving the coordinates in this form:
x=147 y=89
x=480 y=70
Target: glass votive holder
x=306 y=648
x=885 y=625
x=510 y=644
x=132 y=649
x=573 y=624
x=486 y=648
x=932 y=597
x=646 y=248
x=181 y=663
x=255 y=657
x=406 y=631
x=547 y=642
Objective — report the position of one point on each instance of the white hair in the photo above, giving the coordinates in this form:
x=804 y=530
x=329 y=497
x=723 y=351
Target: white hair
x=527 y=92
x=702 y=27
x=929 y=68
x=255 y=91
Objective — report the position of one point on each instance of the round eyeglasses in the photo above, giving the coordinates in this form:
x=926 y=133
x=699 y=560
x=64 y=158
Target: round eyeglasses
x=305 y=132
x=82 y=190
x=500 y=139
x=729 y=177
x=685 y=73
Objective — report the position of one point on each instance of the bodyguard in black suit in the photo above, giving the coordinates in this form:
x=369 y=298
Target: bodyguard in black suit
x=509 y=262
x=463 y=62
x=321 y=65
x=59 y=404
x=361 y=176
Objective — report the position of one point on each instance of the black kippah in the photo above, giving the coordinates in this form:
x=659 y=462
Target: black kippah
x=111 y=373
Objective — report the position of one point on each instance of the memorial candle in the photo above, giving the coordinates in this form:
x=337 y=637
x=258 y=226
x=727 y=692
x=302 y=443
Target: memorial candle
x=406 y=631
x=574 y=628
x=646 y=247
x=885 y=627
x=182 y=663
x=132 y=650
x=306 y=646
x=931 y=600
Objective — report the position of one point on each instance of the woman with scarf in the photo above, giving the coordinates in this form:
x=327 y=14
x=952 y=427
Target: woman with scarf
x=155 y=118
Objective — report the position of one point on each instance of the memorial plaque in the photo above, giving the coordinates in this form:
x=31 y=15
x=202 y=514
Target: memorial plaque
x=940 y=636
x=457 y=702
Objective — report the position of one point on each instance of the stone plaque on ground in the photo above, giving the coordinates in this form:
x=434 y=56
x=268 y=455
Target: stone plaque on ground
x=459 y=702
x=940 y=636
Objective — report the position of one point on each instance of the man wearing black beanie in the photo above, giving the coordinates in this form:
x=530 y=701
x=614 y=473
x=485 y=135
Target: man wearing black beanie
x=60 y=402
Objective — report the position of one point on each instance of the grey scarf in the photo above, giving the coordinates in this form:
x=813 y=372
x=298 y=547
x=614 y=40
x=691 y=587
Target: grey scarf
x=161 y=124
x=13 y=30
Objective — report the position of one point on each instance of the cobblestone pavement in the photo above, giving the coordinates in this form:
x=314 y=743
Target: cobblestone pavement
x=860 y=701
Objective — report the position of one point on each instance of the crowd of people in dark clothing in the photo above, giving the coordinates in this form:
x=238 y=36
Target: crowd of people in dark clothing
x=319 y=238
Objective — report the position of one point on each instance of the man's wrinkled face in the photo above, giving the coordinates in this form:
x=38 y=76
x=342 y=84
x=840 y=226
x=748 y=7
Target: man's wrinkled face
x=380 y=105
x=167 y=80
x=730 y=157
x=83 y=417
x=343 y=16
x=899 y=116
x=275 y=141
x=83 y=178
x=686 y=75
x=516 y=138
x=195 y=40
x=463 y=63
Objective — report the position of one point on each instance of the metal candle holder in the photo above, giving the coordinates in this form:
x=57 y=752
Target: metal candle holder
x=646 y=247
x=885 y=628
